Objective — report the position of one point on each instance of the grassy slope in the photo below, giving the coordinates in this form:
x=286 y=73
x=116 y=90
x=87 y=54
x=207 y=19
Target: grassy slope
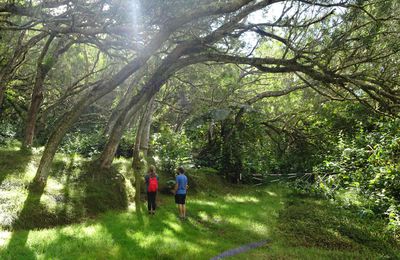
x=312 y=228
x=220 y=218
x=71 y=195
x=215 y=224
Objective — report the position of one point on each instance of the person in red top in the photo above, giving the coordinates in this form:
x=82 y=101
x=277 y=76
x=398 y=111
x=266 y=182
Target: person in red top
x=151 y=188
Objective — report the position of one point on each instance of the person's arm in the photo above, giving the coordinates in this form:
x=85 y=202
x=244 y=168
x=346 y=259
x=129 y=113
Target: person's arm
x=176 y=185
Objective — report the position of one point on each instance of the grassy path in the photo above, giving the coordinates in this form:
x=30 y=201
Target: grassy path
x=298 y=228
x=215 y=224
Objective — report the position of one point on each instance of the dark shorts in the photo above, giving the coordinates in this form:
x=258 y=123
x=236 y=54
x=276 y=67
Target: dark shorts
x=180 y=198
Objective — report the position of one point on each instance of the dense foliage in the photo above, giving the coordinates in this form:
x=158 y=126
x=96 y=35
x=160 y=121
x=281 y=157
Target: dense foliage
x=251 y=89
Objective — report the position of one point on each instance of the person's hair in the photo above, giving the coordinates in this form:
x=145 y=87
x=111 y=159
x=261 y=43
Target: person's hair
x=152 y=170
x=180 y=169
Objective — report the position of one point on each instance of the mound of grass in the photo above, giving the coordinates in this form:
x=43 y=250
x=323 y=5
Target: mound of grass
x=202 y=180
x=74 y=190
x=205 y=180
x=104 y=190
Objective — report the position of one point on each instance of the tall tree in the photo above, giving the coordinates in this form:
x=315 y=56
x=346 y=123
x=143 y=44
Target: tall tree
x=329 y=45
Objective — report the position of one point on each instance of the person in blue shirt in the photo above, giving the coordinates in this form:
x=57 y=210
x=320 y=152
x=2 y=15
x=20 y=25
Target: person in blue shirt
x=180 y=190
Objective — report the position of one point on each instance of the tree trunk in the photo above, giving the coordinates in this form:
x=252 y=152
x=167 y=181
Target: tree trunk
x=102 y=89
x=145 y=133
x=97 y=92
x=55 y=139
x=2 y=92
x=107 y=156
x=210 y=133
x=138 y=165
x=138 y=160
x=37 y=96
x=115 y=114
x=141 y=146
x=119 y=109
x=153 y=85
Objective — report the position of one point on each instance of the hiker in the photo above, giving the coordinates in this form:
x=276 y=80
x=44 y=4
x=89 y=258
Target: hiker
x=151 y=188
x=181 y=187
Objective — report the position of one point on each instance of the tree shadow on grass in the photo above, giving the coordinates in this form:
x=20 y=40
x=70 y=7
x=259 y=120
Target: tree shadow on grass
x=131 y=235
x=164 y=236
x=33 y=215
x=17 y=242
x=13 y=169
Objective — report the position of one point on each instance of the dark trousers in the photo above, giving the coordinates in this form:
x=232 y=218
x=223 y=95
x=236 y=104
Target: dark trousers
x=151 y=200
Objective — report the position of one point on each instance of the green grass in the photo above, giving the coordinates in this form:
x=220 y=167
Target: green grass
x=75 y=190
x=221 y=217
x=215 y=223
x=299 y=228
x=314 y=228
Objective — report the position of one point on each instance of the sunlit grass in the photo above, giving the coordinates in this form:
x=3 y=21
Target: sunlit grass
x=242 y=199
x=219 y=219
x=209 y=230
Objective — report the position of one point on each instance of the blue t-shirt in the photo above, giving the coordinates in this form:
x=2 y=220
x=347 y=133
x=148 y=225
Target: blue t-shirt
x=181 y=180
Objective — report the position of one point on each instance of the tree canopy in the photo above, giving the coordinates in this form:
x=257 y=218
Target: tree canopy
x=244 y=86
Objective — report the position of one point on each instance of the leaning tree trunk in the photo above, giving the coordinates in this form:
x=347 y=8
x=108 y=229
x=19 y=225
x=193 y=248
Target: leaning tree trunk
x=55 y=139
x=119 y=109
x=107 y=156
x=37 y=96
x=2 y=91
x=36 y=101
x=97 y=92
x=140 y=148
x=153 y=85
x=145 y=135
x=138 y=161
x=102 y=89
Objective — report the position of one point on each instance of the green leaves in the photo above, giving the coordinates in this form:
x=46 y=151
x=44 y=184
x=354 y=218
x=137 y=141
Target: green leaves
x=171 y=149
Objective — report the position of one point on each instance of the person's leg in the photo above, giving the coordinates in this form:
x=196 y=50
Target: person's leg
x=153 y=202
x=148 y=202
x=184 y=206
x=180 y=206
x=178 y=203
